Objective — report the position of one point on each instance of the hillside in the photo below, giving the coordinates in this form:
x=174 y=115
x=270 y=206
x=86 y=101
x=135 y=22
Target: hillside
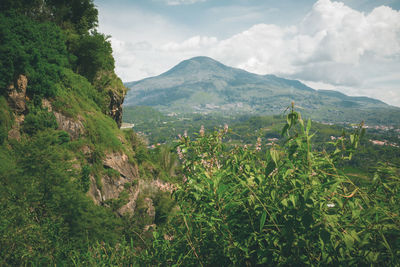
x=204 y=85
x=70 y=179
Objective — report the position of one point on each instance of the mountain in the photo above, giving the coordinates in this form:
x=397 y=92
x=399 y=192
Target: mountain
x=204 y=85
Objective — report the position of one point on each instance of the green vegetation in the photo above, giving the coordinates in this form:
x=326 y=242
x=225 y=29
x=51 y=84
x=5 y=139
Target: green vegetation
x=39 y=119
x=77 y=15
x=48 y=216
x=35 y=49
x=5 y=119
x=234 y=201
x=291 y=206
x=245 y=129
x=94 y=54
x=44 y=214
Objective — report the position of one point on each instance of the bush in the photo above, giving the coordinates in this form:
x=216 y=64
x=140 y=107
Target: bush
x=77 y=15
x=292 y=208
x=35 y=49
x=94 y=53
x=39 y=120
x=44 y=214
x=5 y=119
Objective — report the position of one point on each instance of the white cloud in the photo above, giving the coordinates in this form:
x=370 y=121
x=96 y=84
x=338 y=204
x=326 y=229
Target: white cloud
x=334 y=46
x=196 y=42
x=182 y=2
x=137 y=35
x=327 y=46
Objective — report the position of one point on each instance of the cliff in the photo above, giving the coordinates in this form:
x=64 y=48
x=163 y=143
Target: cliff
x=113 y=92
x=115 y=172
x=70 y=178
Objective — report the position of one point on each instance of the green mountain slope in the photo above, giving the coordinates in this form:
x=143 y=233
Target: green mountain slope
x=204 y=85
x=70 y=178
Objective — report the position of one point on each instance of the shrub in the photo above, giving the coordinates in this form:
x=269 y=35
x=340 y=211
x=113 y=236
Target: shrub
x=35 y=49
x=292 y=208
x=39 y=120
x=94 y=53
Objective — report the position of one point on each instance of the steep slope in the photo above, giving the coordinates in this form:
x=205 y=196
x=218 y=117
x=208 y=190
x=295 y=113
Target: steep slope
x=202 y=84
x=70 y=178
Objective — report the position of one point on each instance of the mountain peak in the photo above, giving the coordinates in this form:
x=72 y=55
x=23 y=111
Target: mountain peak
x=197 y=65
x=203 y=59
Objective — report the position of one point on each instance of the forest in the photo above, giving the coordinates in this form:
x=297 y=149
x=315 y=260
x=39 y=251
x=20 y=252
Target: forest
x=233 y=198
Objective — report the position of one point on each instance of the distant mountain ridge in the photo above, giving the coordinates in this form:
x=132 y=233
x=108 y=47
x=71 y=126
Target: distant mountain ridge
x=202 y=84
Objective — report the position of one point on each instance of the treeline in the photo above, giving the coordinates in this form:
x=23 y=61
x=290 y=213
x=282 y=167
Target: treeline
x=40 y=37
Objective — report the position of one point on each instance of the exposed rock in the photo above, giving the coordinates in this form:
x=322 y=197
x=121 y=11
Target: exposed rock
x=15 y=133
x=111 y=189
x=151 y=211
x=115 y=107
x=95 y=192
x=73 y=127
x=113 y=186
x=46 y=104
x=131 y=205
x=108 y=82
x=17 y=95
x=120 y=163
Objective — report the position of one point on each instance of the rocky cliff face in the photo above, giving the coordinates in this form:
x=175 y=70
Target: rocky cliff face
x=73 y=127
x=16 y=98
x=119 y=179
x=115 y=107
x=114 y=186
x=109 y=83
x=17 y=95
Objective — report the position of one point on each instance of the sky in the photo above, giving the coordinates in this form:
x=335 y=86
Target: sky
x=352 y=46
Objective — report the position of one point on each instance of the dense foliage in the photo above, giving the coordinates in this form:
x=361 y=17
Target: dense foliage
x=37 y=50
x=77 y=15
x=39 y=39
x=291 y=207
x=93 y=53
x=44 y=213
x=46 y=216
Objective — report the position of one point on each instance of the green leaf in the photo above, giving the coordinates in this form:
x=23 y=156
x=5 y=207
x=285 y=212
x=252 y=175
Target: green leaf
x=293 y=200
x=285 y=129
x=352 y=138
x=348 y=240
x=274 y=155
x=262 y=219
x=308 y=126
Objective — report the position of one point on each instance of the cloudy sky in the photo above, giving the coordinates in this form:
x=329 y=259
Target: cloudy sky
x=352 y=46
